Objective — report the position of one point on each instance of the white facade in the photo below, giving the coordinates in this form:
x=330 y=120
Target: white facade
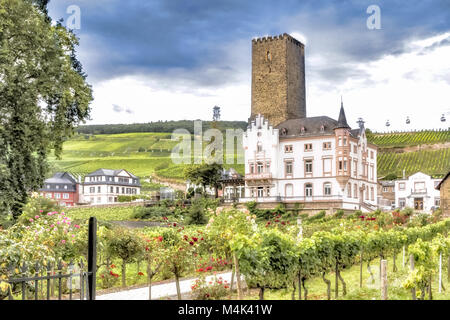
x=104 y=186
x=333 y=165
x=417 y=192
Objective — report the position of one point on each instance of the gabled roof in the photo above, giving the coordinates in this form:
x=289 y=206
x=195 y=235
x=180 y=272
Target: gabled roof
x=438 y=187
x=109 y=172
x=312 y=126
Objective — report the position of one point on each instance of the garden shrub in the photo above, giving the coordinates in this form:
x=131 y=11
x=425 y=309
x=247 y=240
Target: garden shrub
x=339 y=214
x=38 y=206
x=151 y=212
x=196 y=213
x=215 y=289
x=317 y=216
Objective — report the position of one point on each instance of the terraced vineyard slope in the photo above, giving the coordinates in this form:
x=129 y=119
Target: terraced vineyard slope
x=147 y=154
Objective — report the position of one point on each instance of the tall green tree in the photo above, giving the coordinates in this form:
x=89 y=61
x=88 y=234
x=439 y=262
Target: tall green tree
x=205 y=175
x=43 y=96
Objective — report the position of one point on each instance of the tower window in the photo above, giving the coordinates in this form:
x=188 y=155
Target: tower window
x=269 y=56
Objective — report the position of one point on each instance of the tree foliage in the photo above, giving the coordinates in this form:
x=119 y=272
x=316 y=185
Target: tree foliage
x=43 y=96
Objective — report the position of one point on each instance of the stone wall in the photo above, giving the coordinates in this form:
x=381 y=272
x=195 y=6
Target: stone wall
x=278 y=79
x=445 y=197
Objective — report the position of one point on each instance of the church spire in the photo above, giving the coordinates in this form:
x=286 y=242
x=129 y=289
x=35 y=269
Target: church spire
x=342 y=121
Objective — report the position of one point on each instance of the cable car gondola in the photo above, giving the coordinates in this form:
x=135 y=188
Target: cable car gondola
x=387 y=123
x=443 y=118
x=407 y=120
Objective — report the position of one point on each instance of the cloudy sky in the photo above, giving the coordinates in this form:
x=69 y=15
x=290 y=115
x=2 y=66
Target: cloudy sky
x=152 y=60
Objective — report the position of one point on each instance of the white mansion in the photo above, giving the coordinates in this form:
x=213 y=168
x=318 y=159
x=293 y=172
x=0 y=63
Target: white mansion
x=105 y=185
x=315 y=159
x=291 y=158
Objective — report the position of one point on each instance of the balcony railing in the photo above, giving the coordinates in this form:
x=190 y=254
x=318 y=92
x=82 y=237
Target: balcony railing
x=258 y=176
x=419 y=191
x=288 y=199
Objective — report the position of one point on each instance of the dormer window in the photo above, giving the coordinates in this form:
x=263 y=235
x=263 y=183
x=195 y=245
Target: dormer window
x=284 y=131
x=322 y=128
x=302 y=130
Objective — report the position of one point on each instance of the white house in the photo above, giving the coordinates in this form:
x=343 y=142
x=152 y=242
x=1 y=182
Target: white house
x=105 y=185
x=310 y=160
x=417 y=192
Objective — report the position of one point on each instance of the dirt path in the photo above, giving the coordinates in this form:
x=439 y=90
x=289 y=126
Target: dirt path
x=160 y=291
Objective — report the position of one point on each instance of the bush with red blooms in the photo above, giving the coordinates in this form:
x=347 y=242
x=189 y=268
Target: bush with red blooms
x=213 y=264
x=212 y=289
x=276 y=221
x=108 y=278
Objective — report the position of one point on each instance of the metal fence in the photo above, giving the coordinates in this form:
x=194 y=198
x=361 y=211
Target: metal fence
x=68 y=280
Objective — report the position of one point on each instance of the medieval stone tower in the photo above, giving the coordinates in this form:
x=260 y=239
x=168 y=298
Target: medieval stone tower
x=278 y=78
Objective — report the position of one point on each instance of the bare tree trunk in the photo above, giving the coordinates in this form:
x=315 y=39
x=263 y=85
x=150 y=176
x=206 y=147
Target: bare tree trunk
x=370 y=272
x=304 y=288
x=448 y=268
x=336 y=283
x=149 y=277
x=124 y=274
x=232 y=278
x=361 y=270
x=295 y=288
x=430 y=291
x=300 y=285
x=238 y=276
x=394 y=267
x=328 y=282
x=344 y=285
x=261 y=293
x=177 y=282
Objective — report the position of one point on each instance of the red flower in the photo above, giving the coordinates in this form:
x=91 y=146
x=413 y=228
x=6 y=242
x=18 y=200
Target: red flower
x=140 y=273
x=160 y=238
x=174 y=224
x=200 y=270
x=208 y=268
x=113 y=266
x=191 y=243
x=146 y=249
x=195 y=239
x=202 y=239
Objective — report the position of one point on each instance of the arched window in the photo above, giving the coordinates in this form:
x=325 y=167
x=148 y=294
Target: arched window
x=349 y=190
x=327 y=189
x=372 y=194
x=308 y=190
x=355 y=191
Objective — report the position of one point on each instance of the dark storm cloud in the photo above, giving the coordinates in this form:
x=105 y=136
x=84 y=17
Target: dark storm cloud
x=117 y=108
x=183 y=41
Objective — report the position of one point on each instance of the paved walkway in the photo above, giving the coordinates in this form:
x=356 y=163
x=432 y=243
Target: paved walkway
x=160 y=291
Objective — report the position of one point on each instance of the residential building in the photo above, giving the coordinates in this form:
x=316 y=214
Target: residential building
x=310 y=160
x=233 y=186
x=386 y=195
x=418 y=191
x=63 y=188
x=292 y=158
x=104 y=186
x=444 y=189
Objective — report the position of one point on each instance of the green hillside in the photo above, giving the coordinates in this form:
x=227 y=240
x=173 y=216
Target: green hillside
x=406 y=139
x=148 y=153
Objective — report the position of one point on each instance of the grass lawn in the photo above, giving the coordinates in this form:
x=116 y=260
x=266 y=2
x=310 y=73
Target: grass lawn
x=317 y=289
x=103 y=214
